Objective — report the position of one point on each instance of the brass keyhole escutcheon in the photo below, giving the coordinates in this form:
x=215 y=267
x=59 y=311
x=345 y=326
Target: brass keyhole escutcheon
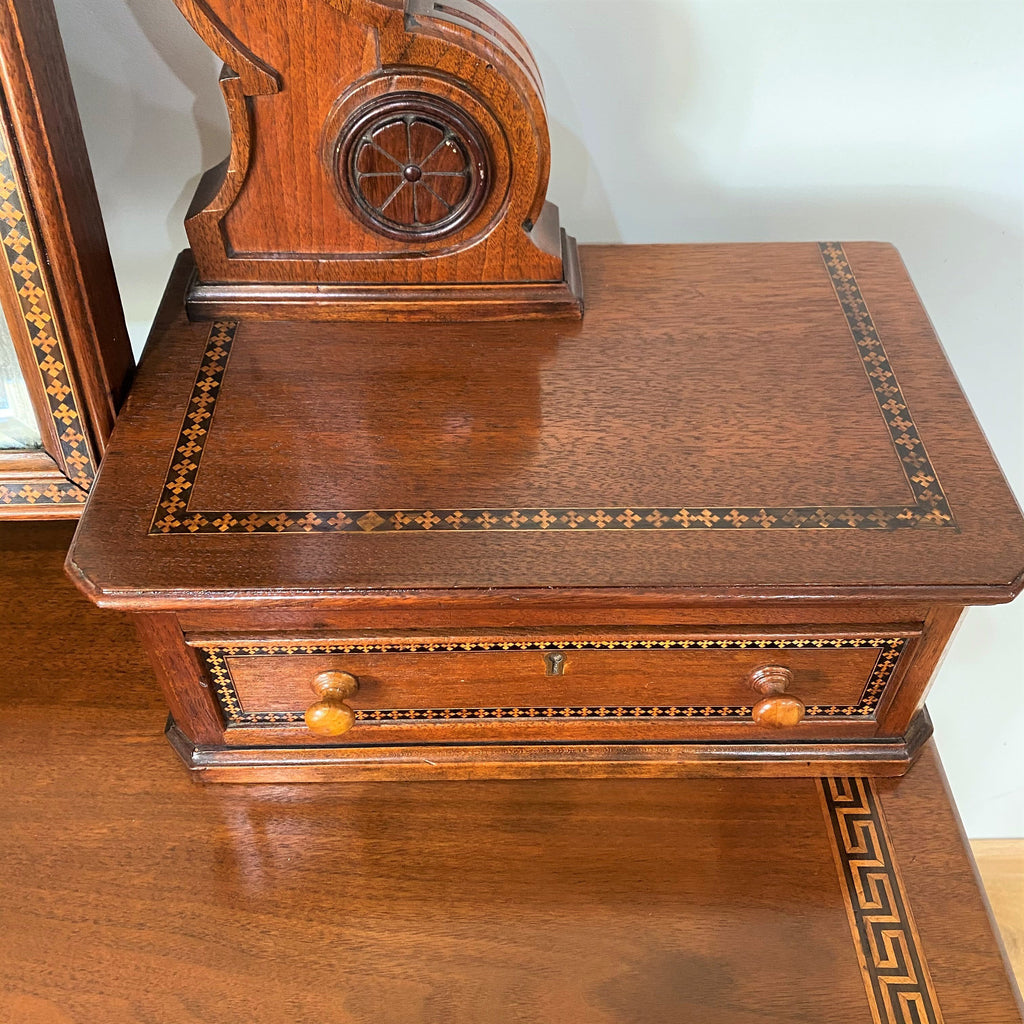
x=330 y=715
x=555 y=663
x=778 y=710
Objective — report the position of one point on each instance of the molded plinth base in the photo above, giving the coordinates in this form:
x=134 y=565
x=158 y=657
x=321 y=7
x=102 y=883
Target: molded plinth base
x=874 y=758
x=425 y=303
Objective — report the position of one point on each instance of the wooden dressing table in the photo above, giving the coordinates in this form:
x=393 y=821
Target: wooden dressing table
x=581 y=900
x=413 y=489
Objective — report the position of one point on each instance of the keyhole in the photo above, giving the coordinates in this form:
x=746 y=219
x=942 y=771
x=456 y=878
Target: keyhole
x=555 y=663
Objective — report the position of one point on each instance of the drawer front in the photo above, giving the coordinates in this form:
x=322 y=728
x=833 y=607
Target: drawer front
x=526 y=685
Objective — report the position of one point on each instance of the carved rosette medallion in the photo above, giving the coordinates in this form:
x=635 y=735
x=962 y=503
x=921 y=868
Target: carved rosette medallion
x=412 y=166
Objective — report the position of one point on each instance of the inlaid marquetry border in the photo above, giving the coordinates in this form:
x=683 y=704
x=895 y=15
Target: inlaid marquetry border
x=928 y=507
x=893 y=966
x=215 y=658
x=22 y=259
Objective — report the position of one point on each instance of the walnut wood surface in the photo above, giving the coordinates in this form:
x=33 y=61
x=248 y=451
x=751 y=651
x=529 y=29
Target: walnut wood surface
x=489 y=678
x=719 y=377
x=57 y=286
x=282 y=756
x=129 y=894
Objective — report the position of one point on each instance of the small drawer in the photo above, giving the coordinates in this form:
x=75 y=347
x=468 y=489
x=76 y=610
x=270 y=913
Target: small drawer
x=529 y=685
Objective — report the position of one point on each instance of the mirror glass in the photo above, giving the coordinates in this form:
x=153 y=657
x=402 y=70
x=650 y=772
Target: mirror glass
x=18 y=427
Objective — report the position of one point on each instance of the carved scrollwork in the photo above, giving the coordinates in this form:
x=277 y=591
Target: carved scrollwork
x=389 y=158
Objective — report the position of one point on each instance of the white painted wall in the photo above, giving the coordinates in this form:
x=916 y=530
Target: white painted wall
x=706 y=120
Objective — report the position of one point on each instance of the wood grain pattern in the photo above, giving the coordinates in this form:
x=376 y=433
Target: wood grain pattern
x=927 y=506
x=57 y=290
x=934 y=920
x=181 y=677
x=705 y=374
x=388 y=161
x=613 y=901
x=284 y=757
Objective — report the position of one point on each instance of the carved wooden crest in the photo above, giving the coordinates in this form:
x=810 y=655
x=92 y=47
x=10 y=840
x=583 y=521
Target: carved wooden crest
x=389 y=160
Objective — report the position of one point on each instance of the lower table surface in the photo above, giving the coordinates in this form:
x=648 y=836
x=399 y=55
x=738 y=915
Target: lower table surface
x=128 y=893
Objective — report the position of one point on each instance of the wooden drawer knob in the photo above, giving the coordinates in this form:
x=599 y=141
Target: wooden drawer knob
x=770 y=679
x=330 y=715
x=778 y=710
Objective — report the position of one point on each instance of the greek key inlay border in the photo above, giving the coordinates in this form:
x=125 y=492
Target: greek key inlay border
x=928 y=507
x=22 y=258
x=896 y=977
x=215 y=659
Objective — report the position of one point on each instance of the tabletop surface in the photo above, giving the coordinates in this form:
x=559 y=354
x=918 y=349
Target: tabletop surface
x=757 y=420
x=130 y=894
